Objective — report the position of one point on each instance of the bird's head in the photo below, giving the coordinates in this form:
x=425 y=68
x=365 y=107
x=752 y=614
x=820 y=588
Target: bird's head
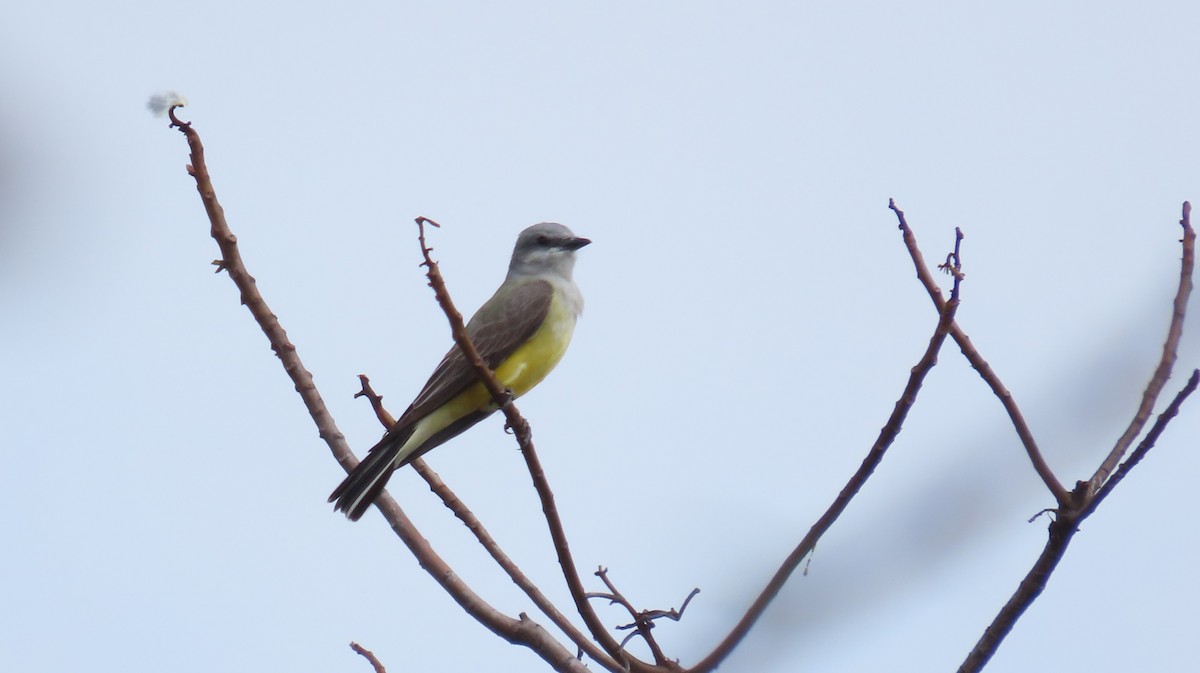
x=544 y=248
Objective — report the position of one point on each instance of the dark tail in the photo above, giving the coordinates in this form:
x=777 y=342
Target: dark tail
x=361 y=487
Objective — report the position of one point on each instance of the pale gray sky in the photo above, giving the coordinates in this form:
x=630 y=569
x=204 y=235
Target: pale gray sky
x=751 y=319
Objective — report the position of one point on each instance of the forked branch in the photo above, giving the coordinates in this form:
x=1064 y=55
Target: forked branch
x=522 y=630
x=1083 y=501
x=1062 y=530
x=1073 y=506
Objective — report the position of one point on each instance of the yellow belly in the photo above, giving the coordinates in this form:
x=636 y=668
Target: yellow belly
x=530 y=363
x=523 y=370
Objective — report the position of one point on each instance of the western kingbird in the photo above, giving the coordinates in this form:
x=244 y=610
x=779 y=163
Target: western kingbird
x=521 y=333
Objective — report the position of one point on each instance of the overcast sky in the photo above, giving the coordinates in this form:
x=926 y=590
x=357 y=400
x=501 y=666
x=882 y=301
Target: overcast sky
x=751 y=318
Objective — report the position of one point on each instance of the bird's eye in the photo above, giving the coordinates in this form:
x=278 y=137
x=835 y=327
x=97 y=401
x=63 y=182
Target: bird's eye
x=543 y=240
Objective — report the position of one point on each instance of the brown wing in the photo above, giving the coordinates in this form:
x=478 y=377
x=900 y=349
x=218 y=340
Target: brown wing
x=498 y=328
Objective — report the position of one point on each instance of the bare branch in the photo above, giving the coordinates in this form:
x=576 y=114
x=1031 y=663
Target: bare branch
x=232 y=263
x=641 y=624
x=1062 y=530
x=1169 y=354
x=886 y=436
x=1083 y=501
x=524 y=436
x=643 y=620
x=376 y=401
x=1074 y=506
x=473 y=524
x=369 y=656
x=523 y=630
x=985 y=370
x=1146 y=444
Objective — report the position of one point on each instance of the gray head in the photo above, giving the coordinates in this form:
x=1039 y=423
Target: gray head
x=544 y=248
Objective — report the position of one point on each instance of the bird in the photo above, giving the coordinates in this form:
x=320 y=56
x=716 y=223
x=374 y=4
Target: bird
x=521 y=333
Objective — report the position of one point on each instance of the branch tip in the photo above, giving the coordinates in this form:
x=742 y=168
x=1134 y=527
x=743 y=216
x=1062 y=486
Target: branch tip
x=369 y=656
x=176 y=122
x=903 y=223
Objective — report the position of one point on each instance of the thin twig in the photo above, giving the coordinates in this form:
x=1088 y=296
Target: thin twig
x=1146 y=444
x=641 y=624
x=674 y=614
x=376 y=401
x=369 y=656
x=643 y=620
x=886 y=437
x=985 y=370
x=1169 y=354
